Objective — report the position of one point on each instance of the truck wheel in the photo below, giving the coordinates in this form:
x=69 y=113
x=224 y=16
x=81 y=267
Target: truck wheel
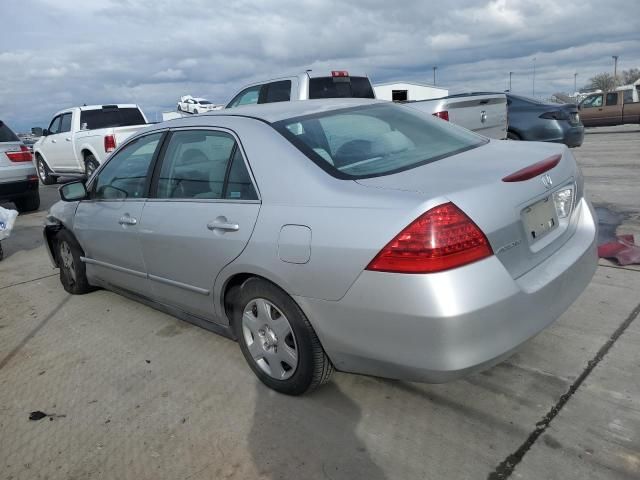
x=28 y=204
x=44 y=173
x=195 y=111
x=90 y=165
x=179 y=108
x=277 y=340
x=73 y=274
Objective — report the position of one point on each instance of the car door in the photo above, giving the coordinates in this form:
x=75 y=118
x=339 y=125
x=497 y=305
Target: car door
x=52 y=144
x=107 y=224
x=65 y=157
x=200 y=218
x=612 y=109
x=591 y=110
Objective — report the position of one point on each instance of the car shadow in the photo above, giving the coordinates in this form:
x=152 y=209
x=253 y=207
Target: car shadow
x=309 y=437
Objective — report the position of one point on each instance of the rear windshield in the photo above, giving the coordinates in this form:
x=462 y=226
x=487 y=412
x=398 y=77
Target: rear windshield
x=110 y=117
x=375 y=140
x=204 y=102
x=340 y=87
x=6 y=135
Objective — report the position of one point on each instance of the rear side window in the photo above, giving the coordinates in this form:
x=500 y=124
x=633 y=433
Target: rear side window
x=110 y=117
x=204 y=164
x=340 y=87
x=6 y=135
x=612 y=99
x=628 y=96
x=374 y=140
x=277 y=92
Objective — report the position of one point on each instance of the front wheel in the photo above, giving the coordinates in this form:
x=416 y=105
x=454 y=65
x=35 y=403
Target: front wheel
x=73 y=274
x=277 y=340
x=44 y=173
x=513 y=136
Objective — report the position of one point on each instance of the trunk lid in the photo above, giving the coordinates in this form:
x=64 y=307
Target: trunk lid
x=504 y=211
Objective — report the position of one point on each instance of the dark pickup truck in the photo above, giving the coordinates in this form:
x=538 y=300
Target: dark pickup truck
x=610 y=108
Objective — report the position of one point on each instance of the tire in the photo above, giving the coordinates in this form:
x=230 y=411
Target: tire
x=44 y=173
x=28 y=204
x=195 y=111
x=90 y=165
x=73 y=274
x=513 y=136
x=272 y=330
x=179 y=108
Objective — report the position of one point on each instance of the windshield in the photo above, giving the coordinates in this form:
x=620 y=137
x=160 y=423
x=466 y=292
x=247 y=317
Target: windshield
x=375 y=140
x=340 y=87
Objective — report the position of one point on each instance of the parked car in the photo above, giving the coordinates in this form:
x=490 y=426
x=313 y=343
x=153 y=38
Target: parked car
x=79 y=139
x=610 y=108
x=194 y=105
x=481 y=112
x=18 y=180
x=304 y=86
x=533 y=120
x=351 y=234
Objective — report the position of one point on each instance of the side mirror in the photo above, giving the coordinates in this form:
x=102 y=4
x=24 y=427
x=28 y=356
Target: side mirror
x=73 y=191
x=36 y=131
x=45 y=132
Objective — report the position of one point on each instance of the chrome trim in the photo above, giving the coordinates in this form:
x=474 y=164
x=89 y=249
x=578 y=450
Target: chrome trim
x=135 y=273
x=173 y=283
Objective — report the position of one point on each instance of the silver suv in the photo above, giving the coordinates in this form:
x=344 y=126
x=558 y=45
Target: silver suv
x=18 y=179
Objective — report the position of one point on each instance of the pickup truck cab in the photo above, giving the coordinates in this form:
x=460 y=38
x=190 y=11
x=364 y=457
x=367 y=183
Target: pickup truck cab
x=79 y=139
x=610 y=108
x=304 y=86
x=481 y=112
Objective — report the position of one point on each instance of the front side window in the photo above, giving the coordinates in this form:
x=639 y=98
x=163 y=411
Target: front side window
x=54 y=127
x=374 y=140
x=246 y=97
x=595 y=101
x=65 y=123
x=125 y=175
x=612 y=99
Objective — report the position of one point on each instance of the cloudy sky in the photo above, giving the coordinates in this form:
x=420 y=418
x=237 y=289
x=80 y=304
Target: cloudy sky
x=60 y=53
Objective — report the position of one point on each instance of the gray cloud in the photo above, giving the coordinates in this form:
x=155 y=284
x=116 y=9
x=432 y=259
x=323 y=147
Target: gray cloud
x=59 y=53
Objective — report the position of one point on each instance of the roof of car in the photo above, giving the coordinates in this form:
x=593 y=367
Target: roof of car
x=274 y=112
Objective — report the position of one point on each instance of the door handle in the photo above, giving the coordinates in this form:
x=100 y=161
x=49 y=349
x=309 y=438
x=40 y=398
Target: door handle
x=127 y=220
x=219 y=225
x=53 y=140
x=68 y=139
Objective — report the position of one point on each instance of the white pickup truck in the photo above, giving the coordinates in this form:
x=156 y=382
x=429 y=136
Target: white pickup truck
x=79 y=139
x=483 y=113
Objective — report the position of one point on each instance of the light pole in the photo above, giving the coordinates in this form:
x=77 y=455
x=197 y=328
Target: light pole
x=575 y=81
x=615 y=70
x=533 y=84
x=510 y=73
x=434 y=74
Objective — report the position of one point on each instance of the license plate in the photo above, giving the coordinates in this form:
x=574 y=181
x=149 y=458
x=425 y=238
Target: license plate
x=540 y=218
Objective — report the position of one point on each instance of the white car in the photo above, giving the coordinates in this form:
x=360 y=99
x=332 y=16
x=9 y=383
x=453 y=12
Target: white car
x=191 y=104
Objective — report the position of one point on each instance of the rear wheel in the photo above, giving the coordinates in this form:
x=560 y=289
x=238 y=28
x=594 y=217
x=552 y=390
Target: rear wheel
x=28 y=204
x=44 y=173
x=90 y=165
x=195 y=111
x=513 y=136
x=72 y=270
x=278 y=341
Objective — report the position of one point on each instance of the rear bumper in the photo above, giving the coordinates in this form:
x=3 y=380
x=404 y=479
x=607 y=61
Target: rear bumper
x=18 y=189
x=439 y=327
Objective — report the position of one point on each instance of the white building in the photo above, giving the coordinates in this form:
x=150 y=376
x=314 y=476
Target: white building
x=399 y=91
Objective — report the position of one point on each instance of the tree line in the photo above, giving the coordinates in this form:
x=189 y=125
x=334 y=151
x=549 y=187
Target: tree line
x=606 y=81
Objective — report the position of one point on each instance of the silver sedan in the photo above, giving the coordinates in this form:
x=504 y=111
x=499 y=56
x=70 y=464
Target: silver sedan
x=343 y=234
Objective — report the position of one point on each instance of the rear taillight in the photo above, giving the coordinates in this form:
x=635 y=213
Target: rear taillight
x=440 y=239
x=22 y=155
x=557 y=115
x=109 y=143
x=444 y=115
